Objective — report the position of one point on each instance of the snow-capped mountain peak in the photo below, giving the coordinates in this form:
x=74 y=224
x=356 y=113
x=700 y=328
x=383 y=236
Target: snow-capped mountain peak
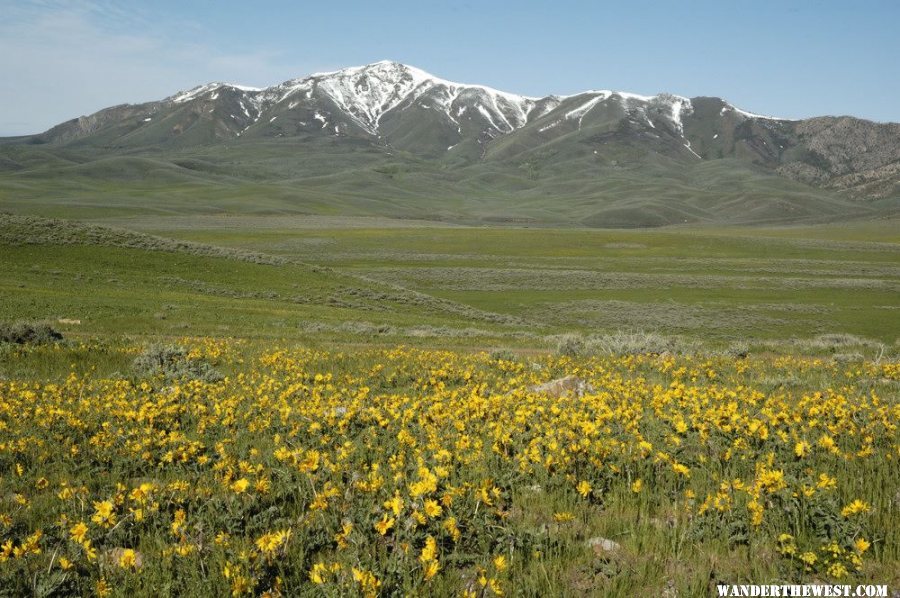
x=383 y=97
x=369 y=92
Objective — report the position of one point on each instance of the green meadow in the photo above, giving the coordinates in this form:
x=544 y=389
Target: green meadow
x=339 y=279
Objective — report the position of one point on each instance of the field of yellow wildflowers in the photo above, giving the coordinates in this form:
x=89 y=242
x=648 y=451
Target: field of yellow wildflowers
x=387 y=472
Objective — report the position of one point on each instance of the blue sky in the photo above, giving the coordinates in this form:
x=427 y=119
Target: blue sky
x=63 y=58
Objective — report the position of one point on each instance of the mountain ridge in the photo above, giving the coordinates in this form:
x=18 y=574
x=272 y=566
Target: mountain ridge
x=422 y=75
x=391 y=133
x=403 y=84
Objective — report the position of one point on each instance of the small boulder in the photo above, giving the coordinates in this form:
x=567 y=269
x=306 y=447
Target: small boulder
x=603 y=546
x=561 y=387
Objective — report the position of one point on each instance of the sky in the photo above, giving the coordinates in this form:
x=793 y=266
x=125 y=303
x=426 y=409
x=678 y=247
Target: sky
x=60 y=59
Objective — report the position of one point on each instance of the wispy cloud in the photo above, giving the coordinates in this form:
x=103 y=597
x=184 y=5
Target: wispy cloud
x=63 y=58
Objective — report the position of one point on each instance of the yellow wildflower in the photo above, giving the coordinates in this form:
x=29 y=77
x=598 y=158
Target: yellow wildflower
x=383 y=526
x=584 y=488
x=856 y=507
x=78 y=532
x=103 y=514
x=432 y=508
x=430 y=570
x=681 y=469
x=429 y=551
x=128 y=559
x=500 y=563
x=240 y=486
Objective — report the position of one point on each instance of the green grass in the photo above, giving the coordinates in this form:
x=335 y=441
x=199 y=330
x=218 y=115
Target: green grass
x=722 y=284
x=115 y=282
x=254 y=276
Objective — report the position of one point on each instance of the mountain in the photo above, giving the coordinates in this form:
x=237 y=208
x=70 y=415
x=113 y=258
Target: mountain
x=409 y=138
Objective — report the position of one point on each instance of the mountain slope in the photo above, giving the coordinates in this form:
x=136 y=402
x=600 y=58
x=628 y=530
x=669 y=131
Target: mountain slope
x=391 y=139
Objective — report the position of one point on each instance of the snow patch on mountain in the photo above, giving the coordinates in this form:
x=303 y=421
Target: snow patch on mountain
x=687 y=144
x=546 y=128
x=679 y=106
x=731 y=108
x=209 y=88
x=368 y=93
x=672 y=106
x=545 y=106
x=586 y=107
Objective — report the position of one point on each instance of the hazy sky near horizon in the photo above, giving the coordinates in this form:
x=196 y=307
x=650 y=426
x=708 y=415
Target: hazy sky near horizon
x=60 y=59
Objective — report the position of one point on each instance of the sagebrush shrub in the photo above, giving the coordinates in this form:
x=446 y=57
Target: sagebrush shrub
x=29 y=333
x=174 y=363
x=570 y=345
